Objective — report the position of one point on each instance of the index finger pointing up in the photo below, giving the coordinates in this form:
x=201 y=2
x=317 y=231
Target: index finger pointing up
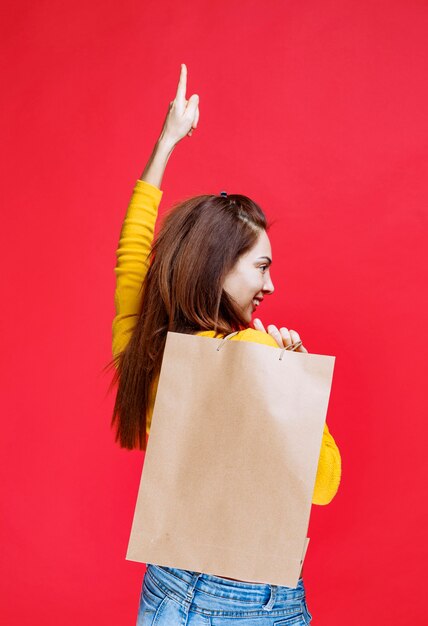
x=181 y=89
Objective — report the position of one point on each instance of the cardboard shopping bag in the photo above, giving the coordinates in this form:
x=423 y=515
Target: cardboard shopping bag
x=231 y=461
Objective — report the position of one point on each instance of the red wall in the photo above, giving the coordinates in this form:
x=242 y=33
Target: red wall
x=317 y=110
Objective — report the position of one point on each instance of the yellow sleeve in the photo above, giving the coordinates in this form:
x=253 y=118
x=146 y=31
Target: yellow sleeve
x=132 y=254
x=329 y=470
x=256 y=336
x=330 y=464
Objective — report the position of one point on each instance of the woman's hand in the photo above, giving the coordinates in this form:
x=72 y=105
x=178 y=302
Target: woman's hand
x=183 y=115
x=181 y=120
x=283 y=336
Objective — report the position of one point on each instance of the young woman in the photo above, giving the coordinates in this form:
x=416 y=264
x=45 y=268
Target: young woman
x=206 y=273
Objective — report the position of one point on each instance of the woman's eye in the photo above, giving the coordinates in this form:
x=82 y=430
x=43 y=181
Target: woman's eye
x=263 y=266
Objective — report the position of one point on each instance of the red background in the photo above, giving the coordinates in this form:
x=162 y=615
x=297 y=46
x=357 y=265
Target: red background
x=317 y=110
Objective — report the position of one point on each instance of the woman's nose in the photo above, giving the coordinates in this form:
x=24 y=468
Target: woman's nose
x=268 y=287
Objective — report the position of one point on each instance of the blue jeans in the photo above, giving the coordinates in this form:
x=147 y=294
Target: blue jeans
x=177 y=597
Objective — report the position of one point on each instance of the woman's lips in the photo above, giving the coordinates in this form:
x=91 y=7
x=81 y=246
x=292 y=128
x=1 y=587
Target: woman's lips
x=255 y=305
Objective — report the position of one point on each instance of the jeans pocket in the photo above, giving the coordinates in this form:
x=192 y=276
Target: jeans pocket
x=148 y=617
x=295 y=620
x=152 y=601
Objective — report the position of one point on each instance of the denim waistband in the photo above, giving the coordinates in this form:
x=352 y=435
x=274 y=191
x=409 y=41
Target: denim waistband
x=214 y=592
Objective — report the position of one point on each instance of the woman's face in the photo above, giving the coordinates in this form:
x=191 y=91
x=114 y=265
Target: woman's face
x=250 y=278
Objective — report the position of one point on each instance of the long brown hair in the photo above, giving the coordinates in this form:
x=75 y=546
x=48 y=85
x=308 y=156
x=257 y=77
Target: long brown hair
x=200 y=241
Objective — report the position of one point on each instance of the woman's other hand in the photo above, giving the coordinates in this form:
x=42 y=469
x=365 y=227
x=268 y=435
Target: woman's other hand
x=282 y=336
x=183 y=115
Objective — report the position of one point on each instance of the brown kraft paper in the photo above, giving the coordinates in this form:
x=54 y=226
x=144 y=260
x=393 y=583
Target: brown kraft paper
x=231 y=461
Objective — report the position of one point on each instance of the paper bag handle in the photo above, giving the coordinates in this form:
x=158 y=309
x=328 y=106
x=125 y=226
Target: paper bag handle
x=291 y=347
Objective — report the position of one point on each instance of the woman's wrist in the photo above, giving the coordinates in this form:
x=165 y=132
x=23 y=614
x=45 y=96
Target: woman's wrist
x=155 y=168
x=165 y=144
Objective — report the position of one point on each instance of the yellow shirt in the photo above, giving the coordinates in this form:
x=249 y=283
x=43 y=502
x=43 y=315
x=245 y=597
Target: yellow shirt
x=132 y=264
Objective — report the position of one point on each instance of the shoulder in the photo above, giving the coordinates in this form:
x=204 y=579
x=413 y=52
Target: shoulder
x=256 y=336
x=248 y=334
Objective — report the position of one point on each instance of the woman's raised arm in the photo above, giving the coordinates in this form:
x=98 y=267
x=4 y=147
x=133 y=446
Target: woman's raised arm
x=138 y=227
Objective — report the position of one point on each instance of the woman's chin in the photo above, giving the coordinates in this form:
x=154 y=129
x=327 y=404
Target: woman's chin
x=248 y=313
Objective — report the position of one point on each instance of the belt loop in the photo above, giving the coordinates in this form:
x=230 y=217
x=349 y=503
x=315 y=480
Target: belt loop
x=190 y=592
x=269 y=605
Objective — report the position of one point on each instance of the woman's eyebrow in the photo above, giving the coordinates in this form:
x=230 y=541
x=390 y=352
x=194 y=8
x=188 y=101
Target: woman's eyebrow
x=265 y=257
